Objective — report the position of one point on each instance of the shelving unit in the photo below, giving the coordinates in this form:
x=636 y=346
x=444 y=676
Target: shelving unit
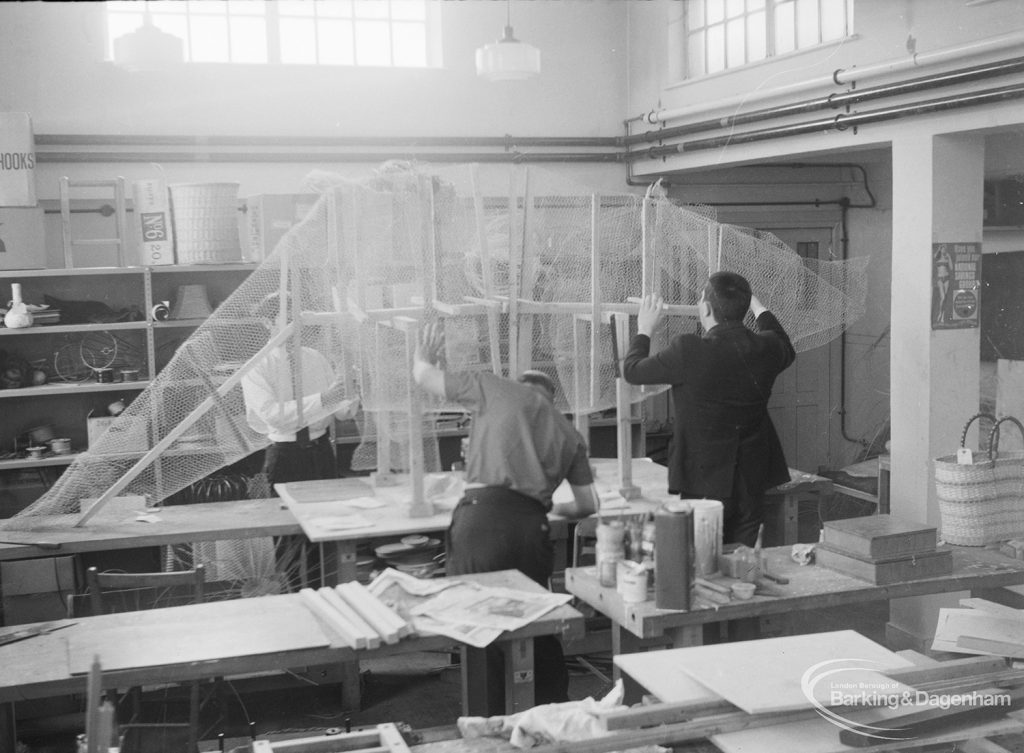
x=66 y=405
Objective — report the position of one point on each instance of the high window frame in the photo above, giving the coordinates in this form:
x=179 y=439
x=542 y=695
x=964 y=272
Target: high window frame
x=723 y=35
x=356 y=33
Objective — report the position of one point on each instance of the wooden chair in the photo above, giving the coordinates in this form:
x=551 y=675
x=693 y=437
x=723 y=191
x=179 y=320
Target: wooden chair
x=112 y=592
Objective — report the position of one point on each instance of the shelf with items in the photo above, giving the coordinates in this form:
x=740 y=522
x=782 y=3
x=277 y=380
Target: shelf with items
x=140 y=345
x=47 y=461
x=71 y=388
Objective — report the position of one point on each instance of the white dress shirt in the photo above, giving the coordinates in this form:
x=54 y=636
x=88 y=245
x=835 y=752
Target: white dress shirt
x=270 y=406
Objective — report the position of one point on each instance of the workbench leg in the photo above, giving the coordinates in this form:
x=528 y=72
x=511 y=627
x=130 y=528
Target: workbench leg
x=686 y=635
x=883 y=490
x=625 y=642
x=474 y=670
x=338 y=562
x=519 y=675
x=351 y=692
x=8 y=729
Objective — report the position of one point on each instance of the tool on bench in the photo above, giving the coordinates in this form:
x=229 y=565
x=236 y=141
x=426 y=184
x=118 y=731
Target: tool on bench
x=20 y=635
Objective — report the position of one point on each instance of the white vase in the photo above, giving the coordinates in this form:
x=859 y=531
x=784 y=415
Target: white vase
x=18 y=315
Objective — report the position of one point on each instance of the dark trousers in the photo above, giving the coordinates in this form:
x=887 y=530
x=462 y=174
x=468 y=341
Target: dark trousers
x=494 y=528
x=299 y=461
x=284 y=462
x=742 y=512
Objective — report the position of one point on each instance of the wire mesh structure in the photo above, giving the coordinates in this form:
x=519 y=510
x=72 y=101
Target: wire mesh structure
x=524 y=268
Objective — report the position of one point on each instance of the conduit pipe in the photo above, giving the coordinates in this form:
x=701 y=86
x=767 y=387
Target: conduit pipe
x=508 y=142
x=841 y=76
x=117 y=148
x=327 y=156
x=837 y=101
x=839 y=122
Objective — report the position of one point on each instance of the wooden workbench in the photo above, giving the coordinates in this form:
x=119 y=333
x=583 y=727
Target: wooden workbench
x=239 y=636
x=809 y=587
x=117 y=527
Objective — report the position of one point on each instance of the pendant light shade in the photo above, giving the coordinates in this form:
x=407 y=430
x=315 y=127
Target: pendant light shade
x=148 y=48
x=507 y=59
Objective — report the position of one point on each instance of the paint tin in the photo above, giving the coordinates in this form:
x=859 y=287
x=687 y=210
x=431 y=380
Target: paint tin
x=105 y=376
x=673 y=555
x=610 y=550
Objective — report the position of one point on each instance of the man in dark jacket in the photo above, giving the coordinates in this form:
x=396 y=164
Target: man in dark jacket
x=724 y=445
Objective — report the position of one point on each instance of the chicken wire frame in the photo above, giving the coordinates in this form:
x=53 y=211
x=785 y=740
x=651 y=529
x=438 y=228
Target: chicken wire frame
x=524 y=268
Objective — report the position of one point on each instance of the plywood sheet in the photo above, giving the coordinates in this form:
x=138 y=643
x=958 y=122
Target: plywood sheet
x=819 y=736
x=665 y=680
x=975 y=623
x=204 y=632
x=766 y=676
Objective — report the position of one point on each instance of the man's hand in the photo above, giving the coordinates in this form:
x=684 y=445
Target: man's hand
x=426 y=368
x=651 y=310
x=756 y=307
x=430 y=347
x=336 y=393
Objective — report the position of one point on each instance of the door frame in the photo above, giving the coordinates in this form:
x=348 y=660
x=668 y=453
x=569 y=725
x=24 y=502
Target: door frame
x=769 y=218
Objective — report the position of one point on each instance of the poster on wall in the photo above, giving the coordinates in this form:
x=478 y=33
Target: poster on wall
x=17 y=160
x=956 y=272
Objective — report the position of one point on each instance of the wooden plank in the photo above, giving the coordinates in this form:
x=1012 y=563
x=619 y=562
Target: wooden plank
x=778 y=685
x=667 y=734
x=152 y=638
x=954 y=623
x=989 y=646
x=663 y=713
x=947 y=670
x=992 y=607
x=822 y=737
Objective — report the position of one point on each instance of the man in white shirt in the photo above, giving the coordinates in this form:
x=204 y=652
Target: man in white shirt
x=299 y=450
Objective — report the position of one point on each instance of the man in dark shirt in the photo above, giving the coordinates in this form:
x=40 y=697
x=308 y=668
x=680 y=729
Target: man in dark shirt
x=724 y=445
x=520 y=450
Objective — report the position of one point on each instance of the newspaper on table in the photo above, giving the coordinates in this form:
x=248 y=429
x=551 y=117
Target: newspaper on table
x=463 y=610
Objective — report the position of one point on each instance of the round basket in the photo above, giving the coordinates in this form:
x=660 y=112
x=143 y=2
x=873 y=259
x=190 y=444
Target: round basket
x=206 y=225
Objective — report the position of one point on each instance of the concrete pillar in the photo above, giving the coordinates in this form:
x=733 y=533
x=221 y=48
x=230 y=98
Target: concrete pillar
x=935 y=374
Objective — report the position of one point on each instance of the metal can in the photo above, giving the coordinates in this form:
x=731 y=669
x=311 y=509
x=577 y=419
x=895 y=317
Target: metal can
x=673 y=555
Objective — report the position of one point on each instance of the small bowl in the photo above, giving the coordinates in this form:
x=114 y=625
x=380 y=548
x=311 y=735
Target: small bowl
x=36 y=453
x=743 y=591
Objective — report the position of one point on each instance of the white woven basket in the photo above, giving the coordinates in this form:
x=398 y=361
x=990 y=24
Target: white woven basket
x=206 y=225
x=981 y=502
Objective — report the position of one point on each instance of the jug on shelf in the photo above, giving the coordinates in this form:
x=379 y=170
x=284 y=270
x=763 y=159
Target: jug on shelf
x=18 y=314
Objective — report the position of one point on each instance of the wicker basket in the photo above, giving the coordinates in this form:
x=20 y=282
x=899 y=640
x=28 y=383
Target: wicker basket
x=206 y=224
x=981 y=502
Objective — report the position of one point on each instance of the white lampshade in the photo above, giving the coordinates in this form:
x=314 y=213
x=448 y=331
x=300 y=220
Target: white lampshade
x=148 y=48
x=507 y=59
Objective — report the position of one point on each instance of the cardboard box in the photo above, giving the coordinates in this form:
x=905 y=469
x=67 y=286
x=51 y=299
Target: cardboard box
x=269 y=217
x=152 y=218
x=17 y=160
x=22 y=242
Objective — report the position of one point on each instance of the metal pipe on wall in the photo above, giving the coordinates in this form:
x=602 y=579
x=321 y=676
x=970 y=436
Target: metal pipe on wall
x=839 y=122
x=842 y=76
x=119 y=148
x=837 y=101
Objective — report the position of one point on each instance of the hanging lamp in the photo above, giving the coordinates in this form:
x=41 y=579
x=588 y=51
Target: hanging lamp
x=148 y=48
x=507 y=59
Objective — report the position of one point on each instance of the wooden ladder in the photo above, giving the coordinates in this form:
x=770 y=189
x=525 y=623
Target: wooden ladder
x=117 y=188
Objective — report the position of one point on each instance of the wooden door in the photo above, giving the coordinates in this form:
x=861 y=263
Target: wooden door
x=805 y=395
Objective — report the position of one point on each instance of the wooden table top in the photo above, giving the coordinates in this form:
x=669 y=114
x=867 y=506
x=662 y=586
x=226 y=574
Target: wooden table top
x=223 y=638
x=117 y=526
x=810 y=587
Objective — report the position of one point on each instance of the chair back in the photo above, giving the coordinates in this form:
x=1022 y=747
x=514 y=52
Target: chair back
x=111 y=591
x=584 y=541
